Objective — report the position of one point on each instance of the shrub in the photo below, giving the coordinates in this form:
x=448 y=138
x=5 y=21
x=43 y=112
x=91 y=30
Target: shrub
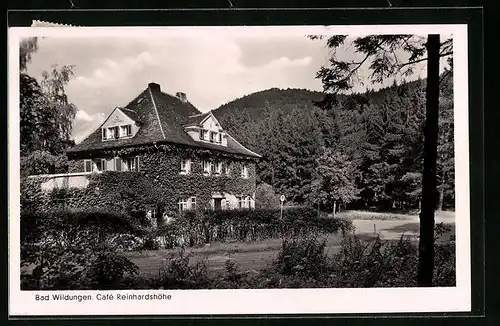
x=76 y=249
x=198 y=228
x=302 y=258
x=179 y=273
x=265 y=197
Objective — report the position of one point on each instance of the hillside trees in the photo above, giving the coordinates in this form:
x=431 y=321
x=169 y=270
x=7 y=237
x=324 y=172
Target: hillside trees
x=380 y=53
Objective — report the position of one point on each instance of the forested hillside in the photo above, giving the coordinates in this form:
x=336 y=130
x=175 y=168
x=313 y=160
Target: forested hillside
x=365 y=151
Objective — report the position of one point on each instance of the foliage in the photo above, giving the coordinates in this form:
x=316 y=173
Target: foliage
x=160 y=181
x=27 y=47
x=265 y=197
x=42 y=162
x=335 y=179
x=303 y=262
x=179 y=273
x=302 y=257
x=379 y=132
x=53 y=85
x=77 y=249
x=381 y=54
x=199 y=228
x=46 y=118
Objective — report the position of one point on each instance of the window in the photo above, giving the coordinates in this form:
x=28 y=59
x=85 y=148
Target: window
x=87 y=165
x=185 y=166
x=113 y=133
x=126 y=131
x=183 y=205
x=244 y=172
x=220 y=138
x=132 y=163
x=100 y=164
x=206 y=167
x=104 y=133
x=217 y=168
x=203 y=134
x=227 y=168
x=187 y=204
x=244 y=202
x=213 y=136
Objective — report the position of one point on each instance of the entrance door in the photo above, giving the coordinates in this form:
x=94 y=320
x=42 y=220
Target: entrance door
x=218 y=204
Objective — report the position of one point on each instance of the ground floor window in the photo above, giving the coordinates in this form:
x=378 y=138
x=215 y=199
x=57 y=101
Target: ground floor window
x=87 y=165
x=245 y=202
x=186 y=204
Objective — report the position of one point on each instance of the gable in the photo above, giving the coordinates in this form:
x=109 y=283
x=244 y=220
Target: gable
x=117 y=118
x=210 y=123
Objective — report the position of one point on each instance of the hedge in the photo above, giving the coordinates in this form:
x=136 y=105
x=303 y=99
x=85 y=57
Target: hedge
x=198 y=228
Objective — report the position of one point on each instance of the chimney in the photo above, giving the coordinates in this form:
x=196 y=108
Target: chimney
x=154 y=87
x=181 y=96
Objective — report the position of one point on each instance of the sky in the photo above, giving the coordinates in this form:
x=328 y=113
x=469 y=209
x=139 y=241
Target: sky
x=212 y=70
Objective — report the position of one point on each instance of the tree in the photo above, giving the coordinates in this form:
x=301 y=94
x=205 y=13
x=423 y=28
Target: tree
x=26 y=48
x=53 y=85
x=334 y=180
x=46 y=116
x=383 y=54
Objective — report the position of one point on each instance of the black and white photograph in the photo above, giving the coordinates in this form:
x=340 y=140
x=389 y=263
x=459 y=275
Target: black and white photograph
x=308 y=169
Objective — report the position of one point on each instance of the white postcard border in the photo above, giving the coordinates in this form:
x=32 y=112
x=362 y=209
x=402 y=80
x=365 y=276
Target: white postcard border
x=234 y=302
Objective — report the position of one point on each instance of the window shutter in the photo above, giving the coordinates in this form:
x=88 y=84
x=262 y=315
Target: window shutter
x=136 y=159
x=118 y=164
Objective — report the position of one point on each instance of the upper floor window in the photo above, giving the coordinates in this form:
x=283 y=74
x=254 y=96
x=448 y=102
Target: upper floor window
x=217 y=168
x=116 y=132
x=203 y=134
x=244 y=171
x=126 y=131
x=220 y=138
x=185 y=166
x=213 y=136
x=227 y=168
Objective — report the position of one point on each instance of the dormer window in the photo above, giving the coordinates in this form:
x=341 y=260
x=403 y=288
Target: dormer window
x=117 y=132
x=126 y=131
x=213 y=136
x=203 y=134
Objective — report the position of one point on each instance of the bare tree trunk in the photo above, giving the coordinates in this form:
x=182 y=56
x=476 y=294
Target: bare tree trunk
x=426 y=243
x=334 y=207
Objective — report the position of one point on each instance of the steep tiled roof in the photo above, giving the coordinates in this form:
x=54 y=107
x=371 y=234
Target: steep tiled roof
x=162 y=118
x=197 y=119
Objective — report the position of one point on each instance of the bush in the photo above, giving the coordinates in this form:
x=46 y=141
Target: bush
x=76 y=249
x=180 y=273
x=265 y=197
x=199 y=228
x=302 y=258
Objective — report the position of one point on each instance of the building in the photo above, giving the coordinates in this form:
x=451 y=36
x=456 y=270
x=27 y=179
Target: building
x=186 y=153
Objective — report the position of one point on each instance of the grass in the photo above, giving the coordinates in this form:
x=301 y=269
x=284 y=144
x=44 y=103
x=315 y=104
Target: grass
x=367 y=215
x=249 y=256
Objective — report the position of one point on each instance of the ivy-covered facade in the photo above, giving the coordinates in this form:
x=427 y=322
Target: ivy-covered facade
x=186 y=156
